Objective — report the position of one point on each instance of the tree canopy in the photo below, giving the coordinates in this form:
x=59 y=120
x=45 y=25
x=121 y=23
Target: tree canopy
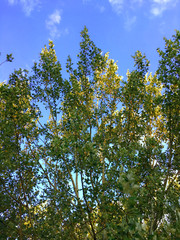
x=92 y=155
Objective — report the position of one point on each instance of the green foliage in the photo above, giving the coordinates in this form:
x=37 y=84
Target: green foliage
x=9 y=58
x=105 y=163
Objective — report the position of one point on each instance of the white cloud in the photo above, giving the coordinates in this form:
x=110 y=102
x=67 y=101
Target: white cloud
x=125 y=9
x=27 y=5
x=159 y=6
x=156 y=11
x=52 y=24
x=117 y=5
x=120 y=5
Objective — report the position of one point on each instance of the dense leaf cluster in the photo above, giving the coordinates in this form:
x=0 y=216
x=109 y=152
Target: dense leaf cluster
x=105 y=163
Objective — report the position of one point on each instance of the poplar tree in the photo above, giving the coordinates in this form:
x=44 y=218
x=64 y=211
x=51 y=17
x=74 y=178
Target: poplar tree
x=93 y=155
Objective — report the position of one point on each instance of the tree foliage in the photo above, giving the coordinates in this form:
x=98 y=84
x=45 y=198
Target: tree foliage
x=105 y=164
x=9 y=58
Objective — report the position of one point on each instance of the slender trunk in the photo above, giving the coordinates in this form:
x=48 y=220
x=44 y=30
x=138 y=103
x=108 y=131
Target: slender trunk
x=27 y=207
x=20 y=217
x=152 y=219
x=77 y=187
x=88 y=210
x=170 y=153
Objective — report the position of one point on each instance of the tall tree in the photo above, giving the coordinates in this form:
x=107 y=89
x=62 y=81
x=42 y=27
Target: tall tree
x=93 y=156
x=18 y=168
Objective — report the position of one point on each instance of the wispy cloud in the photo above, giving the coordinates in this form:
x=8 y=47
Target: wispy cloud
x=52 y=24
x=27 y=5
x=96 y=4
x=11 y=2
x=125 y=9
x=86 y=1
x=137 y=1
x=159 y=6
x=120 y=5
x=129 y=22
x=101 y=8
x=117 y=5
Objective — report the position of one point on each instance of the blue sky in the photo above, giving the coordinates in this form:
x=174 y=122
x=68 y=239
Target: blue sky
x=117 y=26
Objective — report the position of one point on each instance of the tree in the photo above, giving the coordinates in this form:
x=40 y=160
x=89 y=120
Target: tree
x=97 y=168
x=18 y=168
